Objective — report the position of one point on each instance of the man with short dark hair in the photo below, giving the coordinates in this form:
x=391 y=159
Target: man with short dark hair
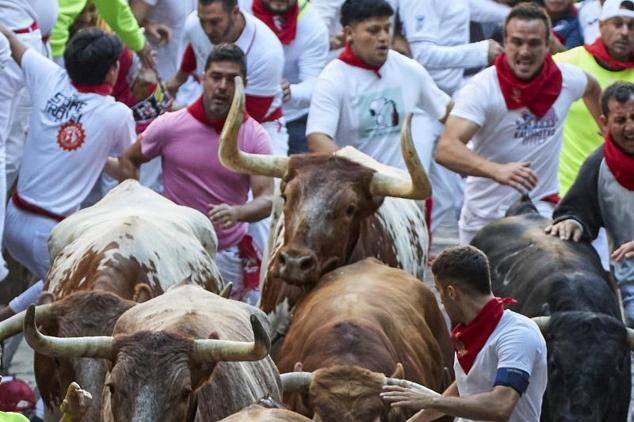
x=362 y=97
x=603 y=192
x=513 y=114
x=75 y=126
x=501 y=355
x=187 y=142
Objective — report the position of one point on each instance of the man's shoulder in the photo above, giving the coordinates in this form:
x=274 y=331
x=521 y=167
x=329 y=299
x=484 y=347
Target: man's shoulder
x=192 y=24
x=572 y=56
x=265 y=41
x=516 y=324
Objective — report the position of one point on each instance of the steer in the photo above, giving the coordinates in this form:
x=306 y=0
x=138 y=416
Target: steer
x=134 y=243
x=182 y=356
x=563 y=284
x=257 y=413
x=338 y=209
x=361 y=322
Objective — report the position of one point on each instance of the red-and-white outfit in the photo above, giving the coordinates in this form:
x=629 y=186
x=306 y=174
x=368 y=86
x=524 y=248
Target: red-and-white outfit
x=518 y=121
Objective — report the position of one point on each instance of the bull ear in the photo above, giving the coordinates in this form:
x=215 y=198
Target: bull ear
x=142 y=293
x=399 y=371
x=298 y=367
x=45 y=298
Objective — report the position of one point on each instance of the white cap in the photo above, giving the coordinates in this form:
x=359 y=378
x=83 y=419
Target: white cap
x=612 y=9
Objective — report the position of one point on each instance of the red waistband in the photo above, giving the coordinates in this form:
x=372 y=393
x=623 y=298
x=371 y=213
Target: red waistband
x=19 y=202
x=276 y=114
x=34 y=27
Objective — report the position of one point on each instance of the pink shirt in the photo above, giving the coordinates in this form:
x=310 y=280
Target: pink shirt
x=192 y=173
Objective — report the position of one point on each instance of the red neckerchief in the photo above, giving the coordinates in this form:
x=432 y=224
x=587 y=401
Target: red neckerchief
x=103 y=89
x=469 y=339
x=198 y=112
x=538 y=94
x=599 y=52
x=348 y=57
x=620 y=164
x=284 y=26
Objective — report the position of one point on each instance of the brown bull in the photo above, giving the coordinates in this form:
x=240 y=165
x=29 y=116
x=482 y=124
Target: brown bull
x=182 y=356
x=133 y=243
x=361 y=322
x=257 y=413
x=338 y=209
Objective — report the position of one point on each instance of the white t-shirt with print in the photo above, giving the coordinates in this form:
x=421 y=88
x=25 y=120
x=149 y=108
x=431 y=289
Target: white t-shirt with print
x=507 y=136
x=262 y=48
x=70 y=137
x=515 y=343
x=356 y=107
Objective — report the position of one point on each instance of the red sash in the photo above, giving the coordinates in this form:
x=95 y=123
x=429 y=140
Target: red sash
x=198 y=112
x=599 y=52
x=348 y=57
x=284 y=26
x=538 y=94
x=469 y=339
x=620 y=164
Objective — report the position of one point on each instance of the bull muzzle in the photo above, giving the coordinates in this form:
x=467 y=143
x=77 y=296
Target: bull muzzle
x=210 y=350
x=66 y=347
x=384 y=183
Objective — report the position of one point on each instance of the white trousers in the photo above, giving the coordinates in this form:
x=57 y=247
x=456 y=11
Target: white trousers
x=230 y=267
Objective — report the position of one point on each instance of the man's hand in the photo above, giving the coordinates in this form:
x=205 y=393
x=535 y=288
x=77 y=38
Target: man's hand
x=147 y=56
x=519 y=176
x=625 y=251
x=286 y=91
x=158 y=32
x=566 y=230
x=224 y=215
x=495 y=49
x=414 y=397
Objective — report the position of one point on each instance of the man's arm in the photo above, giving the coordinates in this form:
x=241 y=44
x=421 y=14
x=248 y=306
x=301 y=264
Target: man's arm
x=592 y=98
x=17 y=48
x=158 y=32
x=127 y=166
x=259 y=207
x=321 y=143
x=432 y=414
x=452 y=152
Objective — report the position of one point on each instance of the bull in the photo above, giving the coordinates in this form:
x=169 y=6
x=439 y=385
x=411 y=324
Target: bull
x=187 y=355
x=256 y=413
x=338 y=209
x=563 y=285
x=133 y=243
x=361 y=322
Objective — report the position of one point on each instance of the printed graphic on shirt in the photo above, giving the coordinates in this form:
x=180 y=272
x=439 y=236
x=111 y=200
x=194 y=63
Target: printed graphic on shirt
x=533 y=131
x=380 y=113
x=68 y=109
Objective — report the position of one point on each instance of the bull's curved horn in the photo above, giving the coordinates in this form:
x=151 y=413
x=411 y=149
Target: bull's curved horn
x=296 y=382
x=229 y=153
x=630 y=338
x=418 y=187
x=68 y=347
x=226 y=291
x=542 y=322
x=12 y=326
x=226 y=350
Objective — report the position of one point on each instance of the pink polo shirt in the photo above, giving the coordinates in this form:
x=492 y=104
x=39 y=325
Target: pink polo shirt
x=192 y=173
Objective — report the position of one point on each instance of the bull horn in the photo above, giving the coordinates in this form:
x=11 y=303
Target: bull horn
x=12 y=326
x=67 y=347
x=226 y=350
x=226 y=291
x=229 y=153
x=542 y=322
x=418 y=187
x=296 y=382
x=630 y=338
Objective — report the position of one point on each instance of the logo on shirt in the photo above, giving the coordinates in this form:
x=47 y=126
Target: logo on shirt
x=533 y=131
x=380 y=113
x=71 y=136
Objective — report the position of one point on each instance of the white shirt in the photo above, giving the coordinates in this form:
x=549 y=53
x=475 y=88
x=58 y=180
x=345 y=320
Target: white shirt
x=265 y=57
x=438 y=34
x=304 y=58
x=515 y=343
x=70 y=136
x=20 y=14
x=172 y=13
x=507 y=136
x=589 y=13
x=355 y=107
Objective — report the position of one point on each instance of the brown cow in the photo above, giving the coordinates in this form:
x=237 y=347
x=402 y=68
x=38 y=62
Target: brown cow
x=181 y=356
x=338 y=209
x=134 y=243
x=361 y=322
x=257 y=413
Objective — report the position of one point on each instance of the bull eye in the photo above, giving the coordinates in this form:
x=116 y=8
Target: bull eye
x=351 y=210
x=110 y=388
x=186 y=393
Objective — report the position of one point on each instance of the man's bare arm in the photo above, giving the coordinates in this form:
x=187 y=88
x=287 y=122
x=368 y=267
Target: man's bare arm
x=592 y=98
x=321 y=143
x=127 y=166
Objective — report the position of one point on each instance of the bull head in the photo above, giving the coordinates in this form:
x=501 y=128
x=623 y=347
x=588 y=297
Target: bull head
x=543 y=321
x=206 y=350
x=383 y=183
